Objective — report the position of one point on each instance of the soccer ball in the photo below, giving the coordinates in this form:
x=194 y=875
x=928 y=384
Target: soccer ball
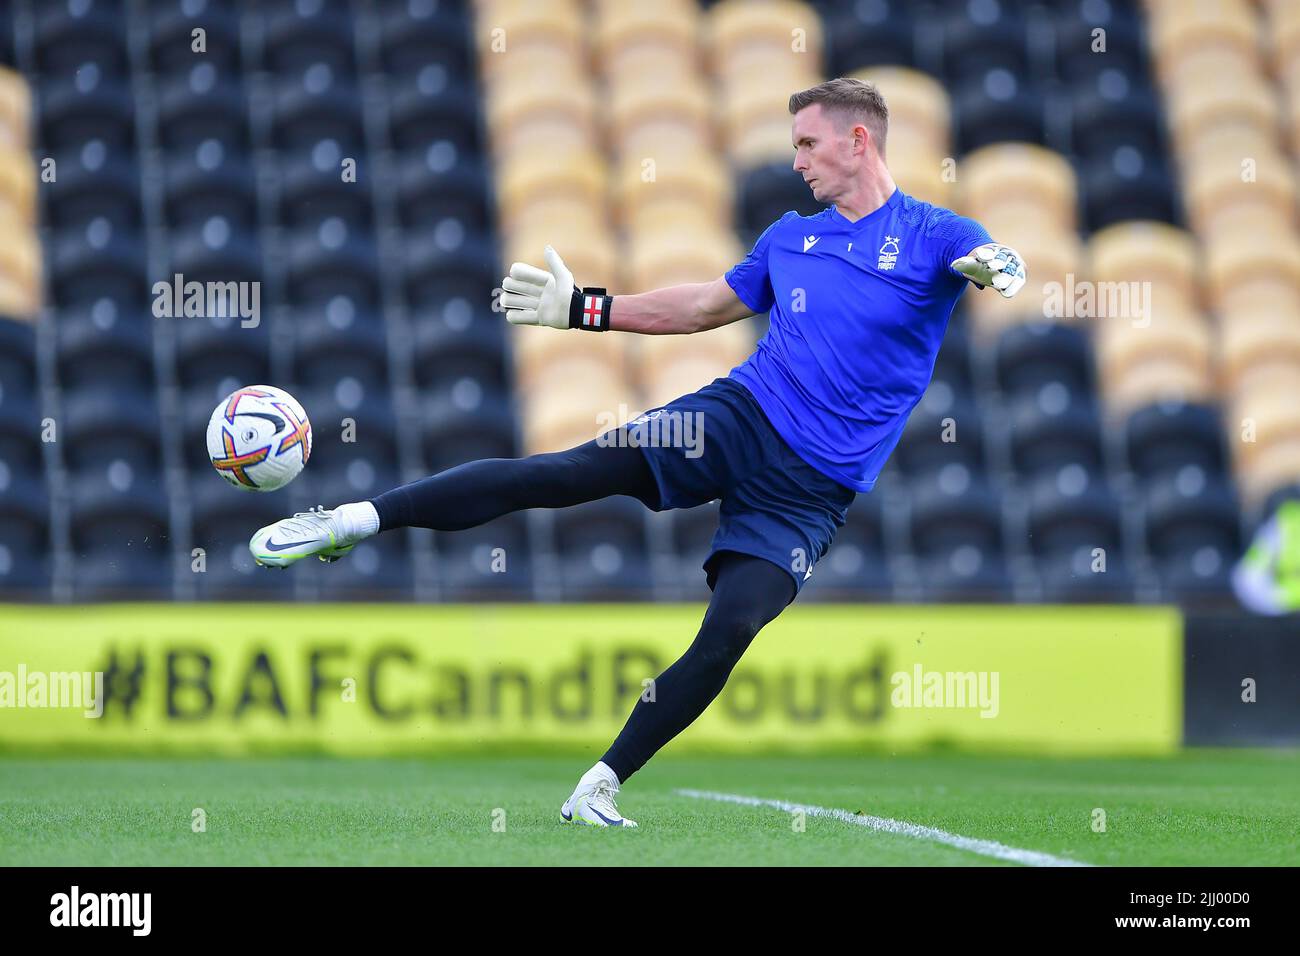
x=259 y=438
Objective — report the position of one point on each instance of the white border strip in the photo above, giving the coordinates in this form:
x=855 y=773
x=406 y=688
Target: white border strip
x=983 y=847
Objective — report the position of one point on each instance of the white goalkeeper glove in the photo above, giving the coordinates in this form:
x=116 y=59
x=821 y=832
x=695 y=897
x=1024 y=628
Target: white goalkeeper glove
x=996 y=265
x=533 y=296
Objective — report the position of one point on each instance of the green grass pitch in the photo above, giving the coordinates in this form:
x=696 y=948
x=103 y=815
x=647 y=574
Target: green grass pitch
x=1200 y=807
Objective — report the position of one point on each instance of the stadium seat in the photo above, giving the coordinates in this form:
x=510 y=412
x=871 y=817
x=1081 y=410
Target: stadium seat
x=418 y=117
x=212 y=353
x=1168 y=436
x=119 y=531
x=954 y=508
x=92 y=184
x=1030 y=355
x=856 y=566
x=601 y=551
x=1077 y=58
x=1192 y=529
x=945 y=428
x=873 y=32
x=318 y=107
x=217 y=251
x=415 y=37
x=312 y=192
x=1070 y=511
x=351 y=421
x=20 y=432
x=105 y=427
x=768 y=192
x=209 y=180
x=70 y=35
x=1077 y=576
x=17 y=357
x=966 y=50
x=445 y=354
x=429 y=193
x=72 y=113
x=434 y=275
x=1110 y=114
x=452 y=434
x=998 y=109
x=1052 y=430
x=301 y=38
x=24 y=537
x=199 y=106
x=492 y=562
x=101 y=347
x=1126 y=186
x=331 y=345
x=171 y=37
x=331 y=261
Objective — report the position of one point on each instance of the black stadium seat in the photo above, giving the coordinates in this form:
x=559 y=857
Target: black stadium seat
x=1164 y=437
x=492 y=562
x=601 y=550
x=102 y=346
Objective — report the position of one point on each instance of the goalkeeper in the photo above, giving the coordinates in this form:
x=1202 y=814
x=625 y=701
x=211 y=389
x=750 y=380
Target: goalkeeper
x=792 y=435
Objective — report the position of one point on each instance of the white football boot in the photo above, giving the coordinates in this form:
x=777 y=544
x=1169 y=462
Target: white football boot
x=307 y=533
x=593 y=805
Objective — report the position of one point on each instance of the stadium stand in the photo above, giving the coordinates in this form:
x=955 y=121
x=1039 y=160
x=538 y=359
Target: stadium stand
x=1113 y=434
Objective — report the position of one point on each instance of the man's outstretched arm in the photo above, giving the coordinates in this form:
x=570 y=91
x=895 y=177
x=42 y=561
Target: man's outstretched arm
x=535 y=296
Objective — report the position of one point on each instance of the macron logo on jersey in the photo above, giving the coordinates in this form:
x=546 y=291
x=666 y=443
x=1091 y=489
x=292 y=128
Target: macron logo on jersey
x=809 y=242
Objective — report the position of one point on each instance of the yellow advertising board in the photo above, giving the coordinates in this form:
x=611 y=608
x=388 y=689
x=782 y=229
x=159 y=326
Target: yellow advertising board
x=374 y=679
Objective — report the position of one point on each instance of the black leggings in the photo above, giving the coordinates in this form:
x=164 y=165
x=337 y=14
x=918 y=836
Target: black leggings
x=747 y=593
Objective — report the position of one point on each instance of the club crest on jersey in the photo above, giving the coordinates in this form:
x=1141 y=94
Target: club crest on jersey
x=888 y=254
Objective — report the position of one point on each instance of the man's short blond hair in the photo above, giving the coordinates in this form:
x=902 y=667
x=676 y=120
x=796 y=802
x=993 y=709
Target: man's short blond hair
x=848 y=100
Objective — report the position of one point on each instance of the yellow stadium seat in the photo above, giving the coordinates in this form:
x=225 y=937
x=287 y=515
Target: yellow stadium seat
x=1156 y=381
x=918 y=104
x=1276 y=468
x=779 y=30
x=1269 y=413
x=553 y=354
x=922 y=172
x=622 y=28
x=1045 y=182
x=576 y=174
x=645 y=119
x=1122 y=347
x=697 y=176
x=727 y=344
x=575 y=412
x=1215 y=182
x=1179 y=28
x=1245 y=104
x=664 y=259
x=15 y=110
x=566 y=117
x=509 y=27
x=1251 y=261
x=17 y=187
x=676 y=216
x=682 y=377
x=592 y=257
x=541 y=213
x=1247 y=348
x=1140 y=251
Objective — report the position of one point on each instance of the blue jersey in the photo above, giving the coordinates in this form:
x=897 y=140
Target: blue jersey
x=858 y=312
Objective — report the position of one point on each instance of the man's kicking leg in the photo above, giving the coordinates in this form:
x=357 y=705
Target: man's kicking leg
x=747 y=594
x=463 y=497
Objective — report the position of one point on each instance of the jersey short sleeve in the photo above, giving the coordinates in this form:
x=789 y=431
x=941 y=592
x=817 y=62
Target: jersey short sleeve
x=750 y=279
x=957 y=236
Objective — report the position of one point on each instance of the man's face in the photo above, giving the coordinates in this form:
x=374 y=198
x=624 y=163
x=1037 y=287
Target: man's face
x=824 y=154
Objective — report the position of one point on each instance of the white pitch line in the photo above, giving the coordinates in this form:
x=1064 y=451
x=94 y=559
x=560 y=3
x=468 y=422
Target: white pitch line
x=983 y=847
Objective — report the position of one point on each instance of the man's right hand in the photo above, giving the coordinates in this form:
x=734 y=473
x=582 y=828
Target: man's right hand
x=533 y=296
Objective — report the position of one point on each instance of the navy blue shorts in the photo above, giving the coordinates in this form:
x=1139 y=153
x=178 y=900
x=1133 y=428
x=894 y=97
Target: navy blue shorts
x=718 y=444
